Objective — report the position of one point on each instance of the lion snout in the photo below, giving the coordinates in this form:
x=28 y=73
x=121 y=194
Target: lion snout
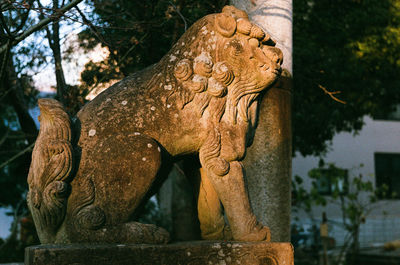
x=274 y=54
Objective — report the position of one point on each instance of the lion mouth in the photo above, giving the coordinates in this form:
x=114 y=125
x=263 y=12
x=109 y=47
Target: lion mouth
x=277 y=71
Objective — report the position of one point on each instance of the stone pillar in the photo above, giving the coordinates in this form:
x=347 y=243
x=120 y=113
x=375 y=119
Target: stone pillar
x=268 y=160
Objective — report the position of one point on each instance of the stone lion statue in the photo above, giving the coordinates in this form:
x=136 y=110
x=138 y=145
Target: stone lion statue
x=89 y=176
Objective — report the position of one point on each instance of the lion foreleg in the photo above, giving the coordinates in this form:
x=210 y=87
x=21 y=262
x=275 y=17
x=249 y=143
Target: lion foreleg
x=231 y=190
x=210 y=211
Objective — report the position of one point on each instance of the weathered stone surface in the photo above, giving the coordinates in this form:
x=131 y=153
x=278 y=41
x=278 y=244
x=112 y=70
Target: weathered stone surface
x=270 y=194
x=193 y=253
x=88 y=177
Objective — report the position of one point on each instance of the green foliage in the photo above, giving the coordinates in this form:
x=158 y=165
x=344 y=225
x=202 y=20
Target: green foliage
x=137 y=33
x=349 y=46
x=356 y=198
x=74 y=98
x=11 y=251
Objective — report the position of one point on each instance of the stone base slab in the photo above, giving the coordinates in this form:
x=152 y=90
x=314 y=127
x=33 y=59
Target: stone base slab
x=184 y=253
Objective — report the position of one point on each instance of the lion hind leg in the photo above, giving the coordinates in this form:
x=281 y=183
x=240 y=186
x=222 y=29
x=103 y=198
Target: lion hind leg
x=105 y=196
x=91 y=225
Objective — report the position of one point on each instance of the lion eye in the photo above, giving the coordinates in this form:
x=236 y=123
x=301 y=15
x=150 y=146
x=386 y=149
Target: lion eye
x=254 y=42
x=236 y=47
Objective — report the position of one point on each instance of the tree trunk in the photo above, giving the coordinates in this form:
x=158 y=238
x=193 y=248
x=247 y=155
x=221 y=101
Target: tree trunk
x=54 y=42
x=16 y=98
x=268 y=160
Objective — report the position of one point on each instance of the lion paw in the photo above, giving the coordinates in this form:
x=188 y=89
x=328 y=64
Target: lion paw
x=258 y=233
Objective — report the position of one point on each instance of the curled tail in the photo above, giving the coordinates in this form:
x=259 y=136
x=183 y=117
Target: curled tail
x=50 y=170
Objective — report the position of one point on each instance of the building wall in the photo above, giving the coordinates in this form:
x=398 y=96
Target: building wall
x=356 y=153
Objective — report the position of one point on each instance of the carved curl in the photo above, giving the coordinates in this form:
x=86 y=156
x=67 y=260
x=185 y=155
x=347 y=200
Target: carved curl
x=91 y=217
x=225 y=24
x=210 y=154
x=199 y=84
x=53 y=207
x=49 y=175
x=244 y=26
x=215 y=88
x=203 y=65
x=86 y=214
x=222 y=73
x=183 y=70
x=257 y=32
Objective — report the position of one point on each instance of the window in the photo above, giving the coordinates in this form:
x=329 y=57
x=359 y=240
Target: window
x=331 y=180
x=387 y=172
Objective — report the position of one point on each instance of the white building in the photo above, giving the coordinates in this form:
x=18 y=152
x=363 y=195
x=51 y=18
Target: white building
x=377 y=148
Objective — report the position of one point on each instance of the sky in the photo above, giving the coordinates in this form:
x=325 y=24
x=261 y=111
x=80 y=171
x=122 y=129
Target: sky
x=5 y=223
x=72 y=69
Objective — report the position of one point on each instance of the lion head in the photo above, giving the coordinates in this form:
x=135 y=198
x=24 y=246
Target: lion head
x=222 y=62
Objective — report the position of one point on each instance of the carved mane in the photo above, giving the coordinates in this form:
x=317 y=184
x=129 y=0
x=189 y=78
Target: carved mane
x=192 y=72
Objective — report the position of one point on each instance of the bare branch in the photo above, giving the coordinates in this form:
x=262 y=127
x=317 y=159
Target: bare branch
x=180 y=170
x=5 y=136
x=93 y=28
x=180 y=14
x=25 y=17
x=5 y=93
x=6 y=57
x=42 y=23
x=41 y=8
x=112 y=67
x=29 y=148
x=5 y=5
x=331 y=94
x=3 y=22
x=49 y=37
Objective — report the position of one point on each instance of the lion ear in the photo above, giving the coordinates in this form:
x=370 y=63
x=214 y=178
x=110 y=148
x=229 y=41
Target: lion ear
x=225 y=24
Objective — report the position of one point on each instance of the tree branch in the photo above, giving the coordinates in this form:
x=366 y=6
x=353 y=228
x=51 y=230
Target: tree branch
x=3 y=22
x=4 y=6
x=5 y=136
x=331 y=94
x=28 y=149
x=42 y=23
x=2 y=96
x=17 y=101
x=112 y=67
x=6 y=57
x=180 y=14
x=180 y=170
x=93 y=29
x=25 y=17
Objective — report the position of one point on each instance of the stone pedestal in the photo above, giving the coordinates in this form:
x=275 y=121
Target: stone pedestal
x=198 y=252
